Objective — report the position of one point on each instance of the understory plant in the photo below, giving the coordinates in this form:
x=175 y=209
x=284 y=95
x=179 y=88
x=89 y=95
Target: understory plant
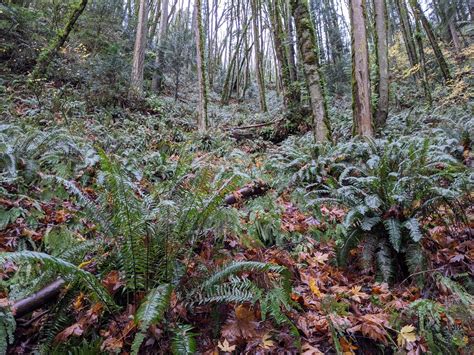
x=387 y=193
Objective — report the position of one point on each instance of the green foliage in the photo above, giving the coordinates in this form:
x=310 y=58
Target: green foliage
x=65 y=269
x=7 y=329
x=399 y=183
x=25 y=154
x=440 y=337
x=151 y=311
x=184 y=341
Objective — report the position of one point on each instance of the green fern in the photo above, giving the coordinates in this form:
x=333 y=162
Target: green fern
x=393 y=228
x=65 y=269
x=184 y=340
x=7 y=329
x=252 y=266
x=414 y=228
x=151 y=311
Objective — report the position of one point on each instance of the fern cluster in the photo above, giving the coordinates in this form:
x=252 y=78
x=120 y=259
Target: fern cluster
x=399 y=184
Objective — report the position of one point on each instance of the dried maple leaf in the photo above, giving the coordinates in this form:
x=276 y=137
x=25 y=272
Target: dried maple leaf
x=320 y=257
x=407 y=335
x=356 y=295
x=241 y=326
x=347 y=347
x=112 y=281
x=225 y=346
x=372 y=326
x=76 y=329
x=308 y=349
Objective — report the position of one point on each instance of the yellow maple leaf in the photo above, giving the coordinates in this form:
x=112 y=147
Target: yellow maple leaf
x=314 y=288
x=407 y=335
x=225 y=346
x=267 y=343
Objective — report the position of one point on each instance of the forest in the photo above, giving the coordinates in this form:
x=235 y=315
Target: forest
x=236 y=177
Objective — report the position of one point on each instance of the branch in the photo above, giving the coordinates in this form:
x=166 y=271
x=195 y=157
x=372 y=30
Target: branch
x=257 y=188
x=38 y=299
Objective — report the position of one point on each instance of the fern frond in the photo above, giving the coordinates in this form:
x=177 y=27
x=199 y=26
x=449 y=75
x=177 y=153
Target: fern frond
x=414 y=228
x=393 y=228
x=385 y=262
x=241 y=266
x=63 y=268
x=151 y=311
x=184 y=340
x=7 y=329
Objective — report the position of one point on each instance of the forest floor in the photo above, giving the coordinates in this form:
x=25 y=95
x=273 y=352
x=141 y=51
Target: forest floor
x=374 y=238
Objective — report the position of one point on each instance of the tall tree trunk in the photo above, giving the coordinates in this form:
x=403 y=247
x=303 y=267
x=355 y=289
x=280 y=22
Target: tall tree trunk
x=360 y=71
x=50 y=52
x=157 y=80
x=407 y=32
x=203 y=123
x=454 y=35
x=310 y=55
x=419 y=42
x=258 y=56
x=433 y=41
x=136 y=82
x=381 y=44
x=290 y=94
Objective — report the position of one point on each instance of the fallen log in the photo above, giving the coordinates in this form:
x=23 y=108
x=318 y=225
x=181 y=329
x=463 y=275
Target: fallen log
x=258 y=125
x=256 y=188
x=37 y=299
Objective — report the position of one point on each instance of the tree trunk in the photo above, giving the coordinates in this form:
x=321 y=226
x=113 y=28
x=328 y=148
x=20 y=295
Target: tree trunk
x=419 y=42
x=407 y=33
x=381 y=44
x=201 y=68
x=310 y=56
x=136 y=81
x=290 y=94
x=157 y=80
x=433 y=41
x=50 y=52
x=454 y=35
x=360 y=71
x=258 y=56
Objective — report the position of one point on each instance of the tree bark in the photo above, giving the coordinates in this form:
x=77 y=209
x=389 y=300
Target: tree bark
x=157 y=80
x=419 y=43
x=381 y=43
x=258 y=56
x=38 y=299
x=136 y=79
x=360 y=71
x=310 y=56
x=407 y=33
x=432 y=39
x=203 y=123
x=290 y=94
x=50 y=52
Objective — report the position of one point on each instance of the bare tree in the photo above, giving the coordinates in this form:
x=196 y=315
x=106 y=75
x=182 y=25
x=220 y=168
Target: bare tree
x=360 y=71
x=157 y=80
x=381 y=43
x=203 y=123
x=258 y=55
x=136 y=82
